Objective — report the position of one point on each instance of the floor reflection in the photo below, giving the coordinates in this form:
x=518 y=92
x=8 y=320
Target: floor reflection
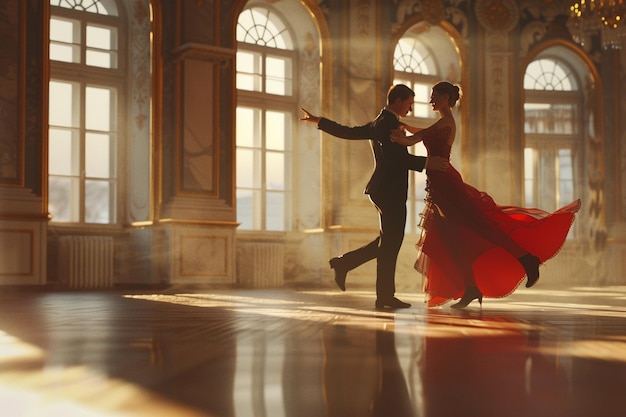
x=497 y=372
x=559 y=352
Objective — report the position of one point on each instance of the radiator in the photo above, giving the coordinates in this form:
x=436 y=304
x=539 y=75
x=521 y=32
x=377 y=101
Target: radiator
x=86 y=261
x=261 y=265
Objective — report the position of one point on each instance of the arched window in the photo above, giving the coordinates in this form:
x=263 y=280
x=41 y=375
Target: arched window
x=265 y=112
x=416 y=65
x=552 y=133
x=86 y=78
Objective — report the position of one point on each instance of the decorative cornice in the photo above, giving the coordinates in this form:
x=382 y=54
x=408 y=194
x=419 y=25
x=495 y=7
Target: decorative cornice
x=204 y=52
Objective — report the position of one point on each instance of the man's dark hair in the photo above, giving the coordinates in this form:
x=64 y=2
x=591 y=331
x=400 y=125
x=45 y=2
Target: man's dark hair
x=399 y=91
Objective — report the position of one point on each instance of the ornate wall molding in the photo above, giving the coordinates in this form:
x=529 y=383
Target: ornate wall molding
x=433 y=12
x=139 y=144
x=11 y=94
x=497 y=15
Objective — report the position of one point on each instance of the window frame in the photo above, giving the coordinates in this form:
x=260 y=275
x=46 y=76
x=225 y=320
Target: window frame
x=264 y=102
x=546 y=146
x=86 y=76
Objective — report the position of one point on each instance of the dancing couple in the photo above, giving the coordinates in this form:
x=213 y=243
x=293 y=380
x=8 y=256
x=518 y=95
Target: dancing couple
x=470 y=246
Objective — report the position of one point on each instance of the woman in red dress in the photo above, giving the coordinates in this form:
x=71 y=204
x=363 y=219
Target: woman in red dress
x=470 y=246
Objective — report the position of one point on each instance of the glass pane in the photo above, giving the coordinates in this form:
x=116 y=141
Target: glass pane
x=64 y=40
x=278 y=76
x=565 y=118
x=63 y=152
x=551 y=118
x=248 y=121
x=62 y=199
x=248 y=82
x=277 y=67
x=247 y=200
x=246 y=62
x=422 y=92
x=100 y=38
x=534 y=117
x=566 y=176
x=65 y=53
x=275 y=171
x=101 y=59
x=248 y=168
x=421 y=110
x=529 y=177
x=66 y=31
x=98 y=202
x=64 y=102
x=275 y=211
x=249 y=71
x=98 y=108
x=276 y=124
x=98 y=156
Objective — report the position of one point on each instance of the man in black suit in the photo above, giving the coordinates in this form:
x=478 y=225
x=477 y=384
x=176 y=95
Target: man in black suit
x=387 y=189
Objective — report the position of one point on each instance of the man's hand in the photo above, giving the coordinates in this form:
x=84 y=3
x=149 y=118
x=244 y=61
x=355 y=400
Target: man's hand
x=308 y=117
x=437 y=163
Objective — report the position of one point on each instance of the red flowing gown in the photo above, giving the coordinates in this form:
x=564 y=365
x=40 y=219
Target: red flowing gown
x=468 y=239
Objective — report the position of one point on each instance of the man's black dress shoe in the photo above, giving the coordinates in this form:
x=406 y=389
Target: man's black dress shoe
x=340 y=272
x=392 y=302
x=531 y=266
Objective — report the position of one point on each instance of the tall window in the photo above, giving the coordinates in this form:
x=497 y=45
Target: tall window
x=415 y=67
x=85 y=82
x=265 y=114
x=552 y=118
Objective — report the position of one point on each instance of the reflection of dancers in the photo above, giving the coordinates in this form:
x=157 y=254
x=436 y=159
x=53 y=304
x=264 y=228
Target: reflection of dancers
x=497 y=373
x=471 y=246
x=393 y=396
x=362 y=374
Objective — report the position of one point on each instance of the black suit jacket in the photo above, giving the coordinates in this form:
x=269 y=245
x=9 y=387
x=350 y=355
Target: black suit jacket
x=392 y=160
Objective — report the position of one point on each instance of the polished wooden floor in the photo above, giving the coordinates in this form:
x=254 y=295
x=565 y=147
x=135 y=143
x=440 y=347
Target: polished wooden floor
x=271 y=353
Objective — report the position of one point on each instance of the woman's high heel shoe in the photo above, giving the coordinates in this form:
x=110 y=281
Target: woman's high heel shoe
x=531 y=266
x=470 y=294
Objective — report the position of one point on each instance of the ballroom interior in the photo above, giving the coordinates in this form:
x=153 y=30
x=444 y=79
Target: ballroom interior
x=166 y=219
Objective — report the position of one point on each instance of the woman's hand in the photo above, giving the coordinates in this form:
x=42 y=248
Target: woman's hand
x=308 y=117
x=399 y=136
x=411 y=129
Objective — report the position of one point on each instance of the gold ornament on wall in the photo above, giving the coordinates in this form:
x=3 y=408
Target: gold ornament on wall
x=433 y=11
x=497 y=15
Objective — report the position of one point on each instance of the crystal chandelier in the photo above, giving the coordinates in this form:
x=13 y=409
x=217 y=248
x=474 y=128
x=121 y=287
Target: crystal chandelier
x=588 y=17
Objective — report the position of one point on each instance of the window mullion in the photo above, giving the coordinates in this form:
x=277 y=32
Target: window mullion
x=83 y=146
x=263 y=162
x=263 y=72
